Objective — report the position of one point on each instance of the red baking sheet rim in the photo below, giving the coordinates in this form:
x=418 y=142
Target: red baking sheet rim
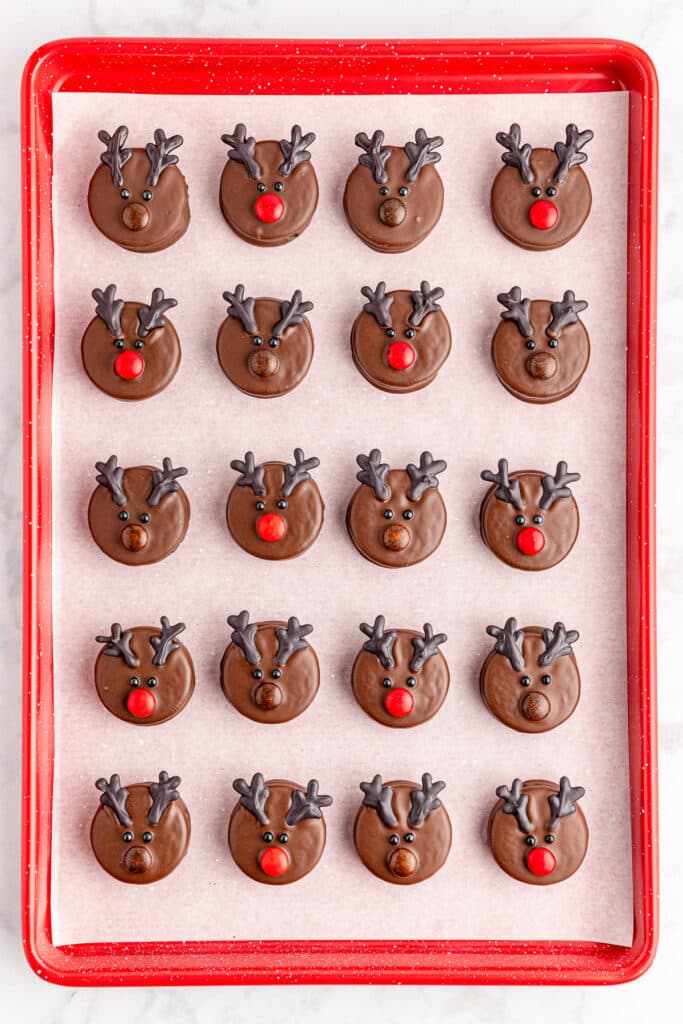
x=184 y=66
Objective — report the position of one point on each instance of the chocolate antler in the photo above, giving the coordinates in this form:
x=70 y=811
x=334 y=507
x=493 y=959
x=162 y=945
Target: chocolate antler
x=295 y=151
x=252 y=475
x=163 y=644
x=241 y=307
x=291 y=639
x=115 y=156
x=509 y=642
x=516 y=803
x=569 y=152
x=424 y=303
x=380 y=644
x=421 y=152
x=152 y=316
x=508 y=490
x=517 y=309
x=242 y=150
x=297 y=473
x=424 y=801
x=115 y=797
x=292 y=313
x=516 y=156
x=243 y=634
x=161 y=155
x=306 y=805
x=563 y=803
x=253 y=796
x=426 y=646
x=374 y=156
x=564 y=313
x=380 y=798
x=163 y=793
x=378 y=304
x=558 y=642
x=373 y=472
x=555 y=487
x=109 y=308
x=424 y=476
x=118 y=644
x=164 y=482
x=110 y=475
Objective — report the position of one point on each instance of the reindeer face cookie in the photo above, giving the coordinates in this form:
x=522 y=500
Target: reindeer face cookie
x=130 y=350
x=530 y=680
x=394 y=197
x=144 y=675
x=138 y=198
x=138 y=515
x=537 y=832
x=530 y=520
x=541 y=350
x=400 y=678
x=397 y=516
x=265 y=346
x=140 y=834
x=401 y=339
x=269 y=190
x=402 y=831
x=269 y=672
x=275 y=510
x=277 y=832
x=542 y=197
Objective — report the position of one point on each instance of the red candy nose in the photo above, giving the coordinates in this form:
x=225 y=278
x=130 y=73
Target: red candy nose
x=274 y=861
x=141 y=703
x=271 y=527
x=530 y=541
x=541 y=861
x=269 y=207
x=129 y=364
x=400 y=355
x=399 y=702
x=543 y=215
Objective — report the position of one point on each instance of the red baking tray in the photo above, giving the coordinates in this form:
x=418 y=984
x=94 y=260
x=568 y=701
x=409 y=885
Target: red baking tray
x=184 y=66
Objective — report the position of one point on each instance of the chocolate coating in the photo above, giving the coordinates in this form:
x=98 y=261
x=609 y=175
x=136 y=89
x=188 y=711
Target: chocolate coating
x=278 y=370
x=429 y=693
x=303 y=517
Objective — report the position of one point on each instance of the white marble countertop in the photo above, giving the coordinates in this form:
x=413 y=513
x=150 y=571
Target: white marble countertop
x=657 y=27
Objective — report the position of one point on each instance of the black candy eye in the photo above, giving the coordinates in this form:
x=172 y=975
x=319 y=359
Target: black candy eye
x=134 y=681
x=147 y=837
x=391 y=333
x=276 y=673
x=147 y=195
x=408 y=514
x=394 y=840
x=283 y=838
x=268 y=837
x=409 y=837
x=125 y=194
x=525 y=681
x=551 y=191
x=127 y=837
x=274 y=342
x=552 y=343
x=138 y=343
x=411 y=681
x=260 y=187
x=119 y=343
x=123 y=515
x=152 y=681
x=386 y=682
x=282 y=503
x=258 y=340
x=519 y=520
x=410 y=333
x=403 y=191
x=546 y=680
x=257 y=673
x=260 y=505
x=530 y=841
x=384 y=191
x=538 y=519
x=550 y=838
x=531 y=343
x=537 y=191
x=278 y=186
x=388 y=514
x=145 y=517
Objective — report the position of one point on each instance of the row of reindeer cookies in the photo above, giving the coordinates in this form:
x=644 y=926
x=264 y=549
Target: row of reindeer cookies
x=537 y=831
x=399 y=342
x=270 y=673
x=393 y=197
x=395 y=517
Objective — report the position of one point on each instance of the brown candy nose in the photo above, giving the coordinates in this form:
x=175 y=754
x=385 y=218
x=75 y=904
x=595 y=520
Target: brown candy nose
x=135 y=216
x=263 y=363
x=268 y=696
x=396 y=537
x=541 y=365
x=535 y=707
x=134 y=537
x=403 y=863
x=392 y=212
x=137 y=860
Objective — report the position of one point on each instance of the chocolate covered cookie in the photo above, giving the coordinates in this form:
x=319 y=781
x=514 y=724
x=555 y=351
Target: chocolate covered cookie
x=277 y=831
x=265 y=346
x=401 y=339
x=394 y=197
x=269 y=190
x=400 y=677
x=144 y=675
x=537 y=832
x=541 y=350
x=530 y=520
x=130 y=350
x=269 y=672
x=402 y=830
x=138 y=198
x=397 y=516
x=138 y=515
x=275 y=510
x=542 y=197
x=140 y=833
x=530 y=680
